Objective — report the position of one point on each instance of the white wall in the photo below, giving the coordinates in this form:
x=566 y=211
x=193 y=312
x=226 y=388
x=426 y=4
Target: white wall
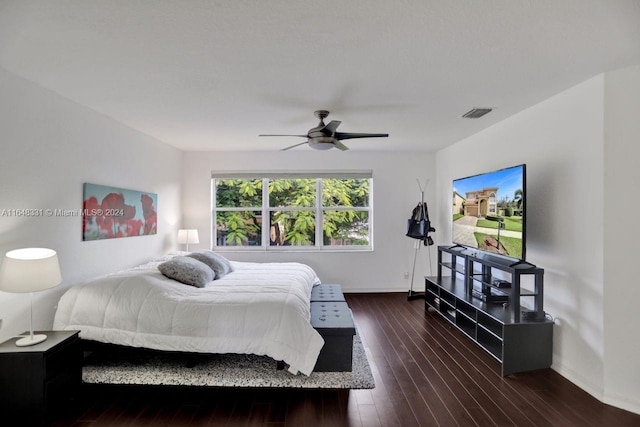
x=621 y=237
x=395 y=193
x=561 y=142
x=49 y=147
x=581 y=148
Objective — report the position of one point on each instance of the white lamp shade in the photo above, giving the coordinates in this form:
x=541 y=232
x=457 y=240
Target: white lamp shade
x=30 y=270
x=187 y=236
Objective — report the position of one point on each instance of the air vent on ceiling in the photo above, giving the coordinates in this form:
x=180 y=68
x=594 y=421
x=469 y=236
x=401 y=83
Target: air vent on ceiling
x=476 y=113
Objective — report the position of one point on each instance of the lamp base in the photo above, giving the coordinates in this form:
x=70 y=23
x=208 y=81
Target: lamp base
x=29 y=340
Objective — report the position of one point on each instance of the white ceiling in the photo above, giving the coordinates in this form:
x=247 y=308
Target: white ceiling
x=212 y=75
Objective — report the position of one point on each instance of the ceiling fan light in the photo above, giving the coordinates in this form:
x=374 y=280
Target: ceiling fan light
x=321 y=145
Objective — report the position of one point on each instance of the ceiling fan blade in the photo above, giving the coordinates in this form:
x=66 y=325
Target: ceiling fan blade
x=340 y=146
x=331 y=127
x=293 y=146
x=351 y=135
x=303 y=136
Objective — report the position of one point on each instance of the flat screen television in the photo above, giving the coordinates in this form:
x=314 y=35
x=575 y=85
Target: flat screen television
x=489 y=212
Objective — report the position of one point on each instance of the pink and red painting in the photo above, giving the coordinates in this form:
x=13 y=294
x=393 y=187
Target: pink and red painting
x=110 y=212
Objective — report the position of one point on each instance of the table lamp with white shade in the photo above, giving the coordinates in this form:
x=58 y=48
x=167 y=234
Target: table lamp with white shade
x=30 y=270
x=186 y=236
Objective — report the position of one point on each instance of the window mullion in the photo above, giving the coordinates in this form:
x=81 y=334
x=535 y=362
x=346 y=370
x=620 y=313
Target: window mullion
x=214 y=215
x=346 y=208
x=319 y=214
x=266 y=215
x=370 y=213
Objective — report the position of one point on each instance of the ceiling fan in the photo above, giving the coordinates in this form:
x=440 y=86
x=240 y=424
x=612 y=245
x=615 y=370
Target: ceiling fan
x=324 y=137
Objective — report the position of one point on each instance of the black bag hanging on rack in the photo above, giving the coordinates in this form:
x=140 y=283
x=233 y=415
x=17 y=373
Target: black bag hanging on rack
x=419 y=226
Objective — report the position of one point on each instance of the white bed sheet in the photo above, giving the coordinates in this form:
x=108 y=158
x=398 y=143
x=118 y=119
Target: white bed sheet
x=259 y=308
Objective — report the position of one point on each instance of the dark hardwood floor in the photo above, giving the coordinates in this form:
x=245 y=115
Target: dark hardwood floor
x=426 y=373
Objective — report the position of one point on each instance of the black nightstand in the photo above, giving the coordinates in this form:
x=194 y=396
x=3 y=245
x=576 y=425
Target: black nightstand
x=39 y=379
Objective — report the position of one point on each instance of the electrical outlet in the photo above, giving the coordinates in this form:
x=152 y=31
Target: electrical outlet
x=405 y=275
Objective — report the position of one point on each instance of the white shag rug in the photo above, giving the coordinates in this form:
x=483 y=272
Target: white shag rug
x=222 y=370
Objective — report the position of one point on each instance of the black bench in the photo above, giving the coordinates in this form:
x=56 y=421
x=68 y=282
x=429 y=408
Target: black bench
x=332 y=318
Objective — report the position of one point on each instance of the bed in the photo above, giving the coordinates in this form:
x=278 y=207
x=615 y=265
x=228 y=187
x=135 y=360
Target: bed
x=258 y=308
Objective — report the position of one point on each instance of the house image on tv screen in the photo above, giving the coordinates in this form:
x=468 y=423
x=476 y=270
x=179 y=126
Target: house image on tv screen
x=481 y=203
x=488 y=212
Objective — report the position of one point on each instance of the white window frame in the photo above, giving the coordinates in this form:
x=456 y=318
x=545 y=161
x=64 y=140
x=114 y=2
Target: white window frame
x=266 y=210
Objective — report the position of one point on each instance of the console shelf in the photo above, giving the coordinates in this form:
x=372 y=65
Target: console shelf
x=514 y=330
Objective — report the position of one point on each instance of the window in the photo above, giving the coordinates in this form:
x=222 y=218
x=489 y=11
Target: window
x=492 y=203
x=294 y=211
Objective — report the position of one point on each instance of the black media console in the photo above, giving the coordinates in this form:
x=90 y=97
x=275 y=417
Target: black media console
x=496 y=303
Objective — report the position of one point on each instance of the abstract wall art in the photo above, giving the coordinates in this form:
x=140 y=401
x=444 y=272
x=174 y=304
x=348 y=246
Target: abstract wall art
x=110 y=212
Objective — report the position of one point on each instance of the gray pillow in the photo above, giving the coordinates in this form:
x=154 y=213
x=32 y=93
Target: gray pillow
x=189 y=271
x=219 y=264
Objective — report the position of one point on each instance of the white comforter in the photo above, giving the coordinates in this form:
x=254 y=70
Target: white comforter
x=259 y=308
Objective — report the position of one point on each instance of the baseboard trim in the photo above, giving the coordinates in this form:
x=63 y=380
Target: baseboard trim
x=618 y=401
x=578 y=380
x=622 y=402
